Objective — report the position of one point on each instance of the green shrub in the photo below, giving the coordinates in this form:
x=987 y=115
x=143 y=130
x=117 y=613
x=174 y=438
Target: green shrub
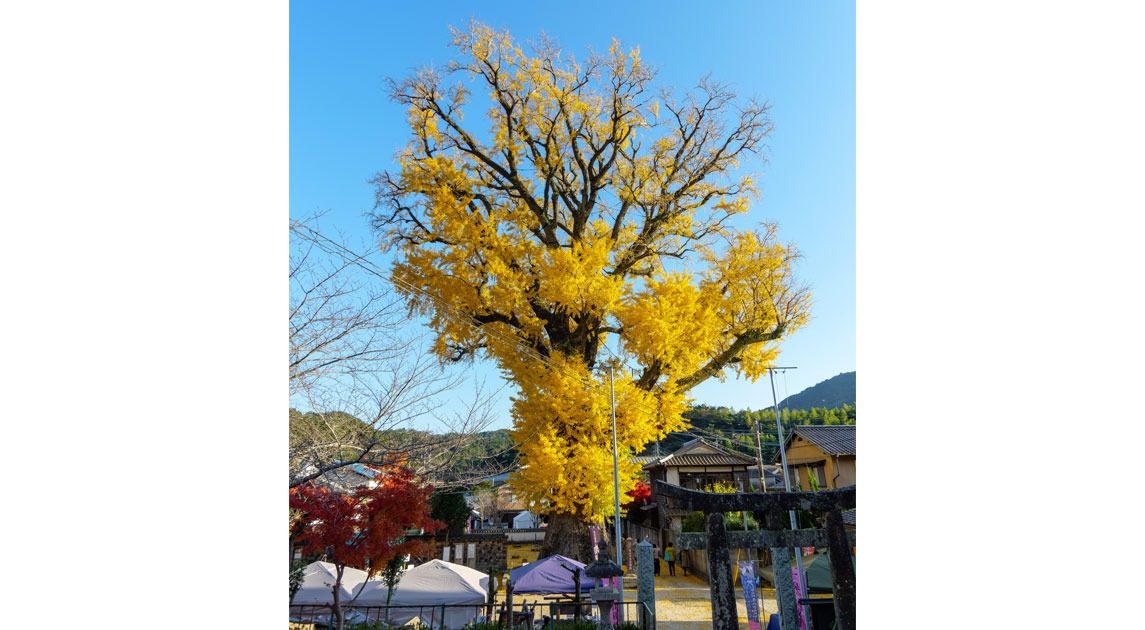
x=733 y=521
x=296 y=569
x=693 y=522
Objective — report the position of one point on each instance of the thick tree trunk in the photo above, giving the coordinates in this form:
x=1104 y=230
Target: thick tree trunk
x=568 y=536
x=389 y=597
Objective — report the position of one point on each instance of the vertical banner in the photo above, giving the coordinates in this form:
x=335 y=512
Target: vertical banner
x=614 y=614
x=750 y=592
x=795 y=577
x=594 y=539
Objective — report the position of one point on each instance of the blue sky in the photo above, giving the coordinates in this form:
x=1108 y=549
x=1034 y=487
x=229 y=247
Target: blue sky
x=800 y=58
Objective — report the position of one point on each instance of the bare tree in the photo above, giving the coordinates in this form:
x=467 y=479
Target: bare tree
x=361 y=378
x=489 y=501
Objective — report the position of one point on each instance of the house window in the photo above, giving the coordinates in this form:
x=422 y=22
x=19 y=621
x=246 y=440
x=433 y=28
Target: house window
x=821 y=475
x=800 y=476
x=793 y=477
x=701 y=480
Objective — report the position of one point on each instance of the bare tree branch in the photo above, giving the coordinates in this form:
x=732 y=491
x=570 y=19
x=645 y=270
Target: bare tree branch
x=361 y=379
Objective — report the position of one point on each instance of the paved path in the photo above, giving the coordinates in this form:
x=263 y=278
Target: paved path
x=685 y=603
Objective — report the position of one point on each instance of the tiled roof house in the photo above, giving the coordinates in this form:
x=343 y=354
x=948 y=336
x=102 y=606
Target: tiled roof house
x=696 y=465
x=825 y=453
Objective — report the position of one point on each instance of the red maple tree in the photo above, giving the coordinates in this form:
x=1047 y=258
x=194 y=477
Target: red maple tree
x=366 y=528
x=641 y=495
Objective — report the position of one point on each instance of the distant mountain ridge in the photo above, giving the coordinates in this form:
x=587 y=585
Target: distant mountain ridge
x=834 y=392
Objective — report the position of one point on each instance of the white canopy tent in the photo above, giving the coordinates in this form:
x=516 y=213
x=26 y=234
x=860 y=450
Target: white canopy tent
x=431 y=585
x=318 y=582
x=526 y=520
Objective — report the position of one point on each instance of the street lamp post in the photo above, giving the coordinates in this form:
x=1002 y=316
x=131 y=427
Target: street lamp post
x=616 y=485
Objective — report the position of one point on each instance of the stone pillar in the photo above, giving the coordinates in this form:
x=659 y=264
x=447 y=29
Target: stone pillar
x=842 y=571
x=724 y=614
x=785 y=595
x=604 y=598
x=645 y=580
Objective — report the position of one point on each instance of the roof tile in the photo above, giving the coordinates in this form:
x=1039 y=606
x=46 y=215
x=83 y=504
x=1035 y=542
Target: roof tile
x=831 y=439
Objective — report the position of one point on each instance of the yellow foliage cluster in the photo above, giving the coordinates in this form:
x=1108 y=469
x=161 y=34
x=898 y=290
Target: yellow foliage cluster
x=564 y=429
x=671 y=321
x=583 y=286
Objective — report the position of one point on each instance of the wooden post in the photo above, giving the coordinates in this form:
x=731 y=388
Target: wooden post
x=576 y=595
x=508 y=604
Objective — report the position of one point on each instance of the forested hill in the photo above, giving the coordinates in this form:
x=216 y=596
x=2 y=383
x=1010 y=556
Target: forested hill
x=827 y=403
x=834 y=392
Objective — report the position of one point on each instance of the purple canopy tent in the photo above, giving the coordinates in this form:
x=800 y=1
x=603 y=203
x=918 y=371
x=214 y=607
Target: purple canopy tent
x=549 y=575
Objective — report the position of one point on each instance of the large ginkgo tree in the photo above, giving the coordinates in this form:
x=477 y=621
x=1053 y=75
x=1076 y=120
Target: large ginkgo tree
x=584 y=223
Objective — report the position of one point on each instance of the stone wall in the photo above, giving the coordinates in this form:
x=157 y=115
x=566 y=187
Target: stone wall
x=491 y=552
x=484 y=552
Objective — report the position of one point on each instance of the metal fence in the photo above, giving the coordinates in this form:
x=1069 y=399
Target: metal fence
x=535 y=616
x=437 y=616
x=549 y=615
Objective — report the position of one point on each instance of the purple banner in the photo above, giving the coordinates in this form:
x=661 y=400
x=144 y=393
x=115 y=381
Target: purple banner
x=614 y=615
x=594 y=539
x=798 y=590
x=750 y=593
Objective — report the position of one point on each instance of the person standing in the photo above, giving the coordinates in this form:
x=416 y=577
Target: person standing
x=670 y=558
x=656 y=560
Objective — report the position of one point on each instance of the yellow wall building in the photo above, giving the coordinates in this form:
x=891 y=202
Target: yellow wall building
x=822 y=456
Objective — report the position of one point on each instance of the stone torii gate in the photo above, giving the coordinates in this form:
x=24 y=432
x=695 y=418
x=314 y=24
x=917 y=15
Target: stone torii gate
x=775 y=505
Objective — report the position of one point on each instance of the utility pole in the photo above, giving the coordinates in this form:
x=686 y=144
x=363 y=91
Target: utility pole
x=759 y=454
x=802 y=594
